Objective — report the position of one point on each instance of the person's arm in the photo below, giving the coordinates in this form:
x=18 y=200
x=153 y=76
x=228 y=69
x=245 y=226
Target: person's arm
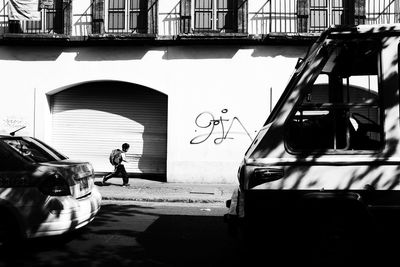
x=124 y=157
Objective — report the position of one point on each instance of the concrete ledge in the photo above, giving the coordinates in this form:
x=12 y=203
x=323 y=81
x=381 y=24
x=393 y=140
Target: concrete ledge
x=34 y=37
x=158 y=40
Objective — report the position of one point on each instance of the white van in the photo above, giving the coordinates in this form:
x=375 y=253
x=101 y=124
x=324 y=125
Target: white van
x=334 y=135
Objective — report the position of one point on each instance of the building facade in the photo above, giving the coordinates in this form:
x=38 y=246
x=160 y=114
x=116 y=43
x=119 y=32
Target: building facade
x=188 y=83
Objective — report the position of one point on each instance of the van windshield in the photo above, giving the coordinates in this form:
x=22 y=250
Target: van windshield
x=340 y=109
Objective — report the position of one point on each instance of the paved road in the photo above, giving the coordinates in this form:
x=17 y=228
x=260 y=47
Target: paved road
x=137 y=234
x=162 y=234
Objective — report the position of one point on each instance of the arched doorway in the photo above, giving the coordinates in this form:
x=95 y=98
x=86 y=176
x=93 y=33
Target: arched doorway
x=91 y=119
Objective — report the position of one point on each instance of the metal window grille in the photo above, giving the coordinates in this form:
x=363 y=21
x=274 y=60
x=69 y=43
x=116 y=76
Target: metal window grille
x=318 y=15
x=54 y=18
x=134 y=14
x=116 y=15
x=339 y=13
x=225 y=15
x=138 y=15
x=214 y=15
x=203 y=14
x=127 y=16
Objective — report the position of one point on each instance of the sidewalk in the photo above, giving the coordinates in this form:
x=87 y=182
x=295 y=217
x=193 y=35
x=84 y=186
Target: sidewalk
x=154 y=191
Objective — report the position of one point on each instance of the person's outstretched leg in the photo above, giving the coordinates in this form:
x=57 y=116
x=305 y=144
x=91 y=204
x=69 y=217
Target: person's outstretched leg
x=109 y=175
x=125 y=178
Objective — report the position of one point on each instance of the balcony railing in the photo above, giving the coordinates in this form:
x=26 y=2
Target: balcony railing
x=54 y=18
x=382 y=12
x=272 y=16
x=285 y=16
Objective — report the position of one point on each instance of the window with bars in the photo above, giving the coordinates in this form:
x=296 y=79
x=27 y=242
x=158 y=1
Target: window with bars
x=318 y=15
x=127 y=16
x=324 y=13
x=214 y=15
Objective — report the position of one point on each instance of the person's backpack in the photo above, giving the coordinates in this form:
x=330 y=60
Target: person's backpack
x=115 y=157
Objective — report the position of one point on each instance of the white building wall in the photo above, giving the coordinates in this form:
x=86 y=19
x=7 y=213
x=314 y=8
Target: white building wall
x=227 y=86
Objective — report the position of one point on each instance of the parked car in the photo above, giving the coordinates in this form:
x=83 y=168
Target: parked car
x=42 y=192
x=331 y=146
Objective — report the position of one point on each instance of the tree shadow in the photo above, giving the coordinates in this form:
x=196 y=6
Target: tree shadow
x=275 y=145
x=377 y=169
x=183 y=240
x=112 y=239
x=190 y=241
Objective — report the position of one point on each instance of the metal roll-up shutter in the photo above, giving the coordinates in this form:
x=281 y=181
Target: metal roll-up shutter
x=90 y=120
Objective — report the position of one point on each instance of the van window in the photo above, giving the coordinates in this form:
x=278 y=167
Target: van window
x=340 y=111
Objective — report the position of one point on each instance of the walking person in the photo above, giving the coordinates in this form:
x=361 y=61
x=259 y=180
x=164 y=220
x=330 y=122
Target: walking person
x=118 y=159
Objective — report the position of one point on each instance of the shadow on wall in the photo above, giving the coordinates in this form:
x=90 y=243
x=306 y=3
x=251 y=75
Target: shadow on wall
x=280 y=50
x=189 y=51
x=109 y=53
x=129 y=52
x=91 y=53
x=30 y=53
x=89 y=120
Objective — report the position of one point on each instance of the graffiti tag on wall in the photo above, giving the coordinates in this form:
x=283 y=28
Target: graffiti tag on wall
x=11 y=123
x=219 y=126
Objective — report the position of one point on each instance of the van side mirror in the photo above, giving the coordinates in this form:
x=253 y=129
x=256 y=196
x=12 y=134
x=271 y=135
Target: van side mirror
x=299 y=62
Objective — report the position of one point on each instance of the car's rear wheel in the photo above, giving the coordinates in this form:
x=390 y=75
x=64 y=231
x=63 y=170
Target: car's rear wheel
x=9 y=234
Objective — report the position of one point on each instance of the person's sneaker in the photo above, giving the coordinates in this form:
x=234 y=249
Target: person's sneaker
x=125 y=185
x=104 y=180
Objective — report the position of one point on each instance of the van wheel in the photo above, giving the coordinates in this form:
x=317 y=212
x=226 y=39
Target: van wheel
x=337 y=232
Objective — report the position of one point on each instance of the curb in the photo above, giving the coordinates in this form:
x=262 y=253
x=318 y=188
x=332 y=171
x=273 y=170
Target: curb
x=166 y=200
x=155 y=192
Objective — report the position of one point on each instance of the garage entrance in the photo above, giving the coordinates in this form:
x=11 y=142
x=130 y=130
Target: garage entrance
x=90 y=120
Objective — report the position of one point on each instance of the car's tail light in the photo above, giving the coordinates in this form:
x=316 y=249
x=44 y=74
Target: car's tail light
x=55 y=185
x=265 y=175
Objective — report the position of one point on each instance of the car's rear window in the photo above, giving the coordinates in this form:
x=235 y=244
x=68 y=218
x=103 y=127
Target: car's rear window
x=30 y=150
x=52 y=150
